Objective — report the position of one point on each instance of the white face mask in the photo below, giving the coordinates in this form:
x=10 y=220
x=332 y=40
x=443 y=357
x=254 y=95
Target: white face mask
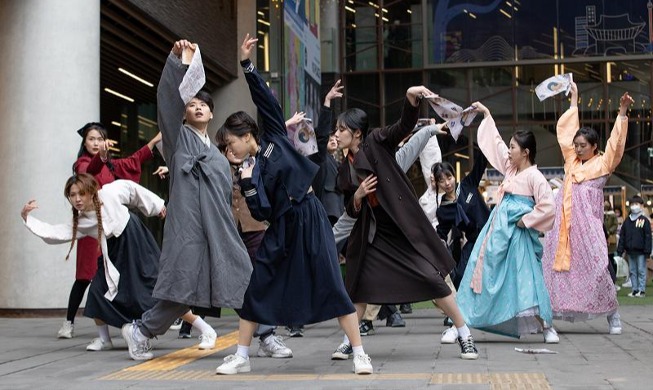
x=635 y=209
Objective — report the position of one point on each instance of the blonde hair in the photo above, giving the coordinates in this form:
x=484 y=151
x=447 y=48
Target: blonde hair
x=87 y=185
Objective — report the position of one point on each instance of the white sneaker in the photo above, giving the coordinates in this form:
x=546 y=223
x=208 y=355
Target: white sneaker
x=233 y=364
x=138 y=350
x=207 y=340
x=177 y=324
x=67 y=330
x=273 y=346
x=551 y=336
x=362 y=364
x=98 y=345
x=627 y=284
x=614 y=320
x=449 y=336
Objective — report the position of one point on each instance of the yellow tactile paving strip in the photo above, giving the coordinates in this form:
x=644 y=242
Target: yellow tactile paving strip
x=165 y=368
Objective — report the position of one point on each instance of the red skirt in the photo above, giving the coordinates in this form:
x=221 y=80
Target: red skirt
x=88 y=252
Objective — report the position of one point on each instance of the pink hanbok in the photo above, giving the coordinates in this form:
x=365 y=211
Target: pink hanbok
x=575 y=258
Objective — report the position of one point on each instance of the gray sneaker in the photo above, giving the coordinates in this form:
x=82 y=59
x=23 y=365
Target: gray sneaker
x=273 y=346
x=614 y=320
x=67 y=330
x=137 y=350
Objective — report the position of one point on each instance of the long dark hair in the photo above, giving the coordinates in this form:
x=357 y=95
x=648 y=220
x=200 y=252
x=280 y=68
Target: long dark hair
x=526 y=140
x=590 y=135
x=440 y=170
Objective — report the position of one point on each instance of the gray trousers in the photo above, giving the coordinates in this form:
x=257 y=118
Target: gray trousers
x=158 y=319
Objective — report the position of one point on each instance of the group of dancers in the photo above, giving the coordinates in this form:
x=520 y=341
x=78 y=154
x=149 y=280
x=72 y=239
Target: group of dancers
x=286 y=272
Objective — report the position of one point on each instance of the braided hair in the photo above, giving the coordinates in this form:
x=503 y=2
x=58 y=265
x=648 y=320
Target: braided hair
x=87 y=185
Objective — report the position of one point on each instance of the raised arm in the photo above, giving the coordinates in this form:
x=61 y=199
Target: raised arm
x=170 y=107
x=614 y=149
x=392 y=135
x=267 y=105
x=411 y=150
x=130 y=168
x=325 y=124
x=490 y=141
x=431 y=154
x=568 y=125
x=474 y=177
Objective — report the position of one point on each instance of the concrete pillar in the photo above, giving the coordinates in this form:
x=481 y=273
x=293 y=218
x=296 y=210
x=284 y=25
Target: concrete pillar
x=50 y=76
x=235 y=96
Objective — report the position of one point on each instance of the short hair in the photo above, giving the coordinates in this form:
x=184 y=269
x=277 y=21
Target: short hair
x=239 y=123
x=206 y=97
x=637 y=199
x=526 y=140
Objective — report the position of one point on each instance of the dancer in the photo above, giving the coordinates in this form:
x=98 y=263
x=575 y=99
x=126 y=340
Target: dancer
x=94 y=158
x=576 y=256
x=122 y=289
x=296 y=279
x=502 y=290
x=204 y=262
x=461 y=208
x=390 y=259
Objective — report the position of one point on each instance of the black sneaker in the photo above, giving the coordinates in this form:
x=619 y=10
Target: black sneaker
x=395 y=321
x=295 y=331
x=343 y=352
x=184 y=331
x=447 y=322
x=642 y=294
x=468 y=349
x=366 y=328
x=405 y=308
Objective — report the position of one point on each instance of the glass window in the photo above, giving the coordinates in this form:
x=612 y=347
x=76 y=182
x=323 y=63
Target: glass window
x=362 y=91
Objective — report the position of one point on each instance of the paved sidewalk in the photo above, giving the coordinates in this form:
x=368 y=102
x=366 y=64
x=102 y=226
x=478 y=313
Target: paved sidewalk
x=406 y=358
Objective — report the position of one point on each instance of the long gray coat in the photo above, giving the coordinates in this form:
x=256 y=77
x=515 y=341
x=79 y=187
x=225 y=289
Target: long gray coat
x=203 y=260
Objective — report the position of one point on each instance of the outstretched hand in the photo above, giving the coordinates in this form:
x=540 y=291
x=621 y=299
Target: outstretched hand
x=366 y=187
x=334 y=92
x=28 y=208
x=624 y=103
x=163 y=212
x=180 y=45
x=479 y=107
x=162 y=171
x=574 y=94
x=416 y=93
x=247 y=47
x=296 y=119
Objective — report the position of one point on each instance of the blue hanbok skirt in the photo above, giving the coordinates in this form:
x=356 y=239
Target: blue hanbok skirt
x=513 y=292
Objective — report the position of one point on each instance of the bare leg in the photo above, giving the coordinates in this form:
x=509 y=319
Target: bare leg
x=189 y=317
x=349 y=323
x=360 y=311
x=450 y=308
x=98 y=321
x=246 y=331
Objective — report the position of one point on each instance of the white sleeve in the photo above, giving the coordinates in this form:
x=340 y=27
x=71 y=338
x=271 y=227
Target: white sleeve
x=50 y=234
x=430 y=155
x=133 y=195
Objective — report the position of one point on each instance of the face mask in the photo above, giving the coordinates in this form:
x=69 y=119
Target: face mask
x=635 y=209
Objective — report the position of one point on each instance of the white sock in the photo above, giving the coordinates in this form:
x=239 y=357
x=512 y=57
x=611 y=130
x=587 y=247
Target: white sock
x=202 y=326
x=345 y=340
x=358 y=350
x=243 y=351
x=463 y=332
x=103 y=331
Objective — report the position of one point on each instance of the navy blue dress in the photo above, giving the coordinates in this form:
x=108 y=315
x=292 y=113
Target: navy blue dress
x=296 y=277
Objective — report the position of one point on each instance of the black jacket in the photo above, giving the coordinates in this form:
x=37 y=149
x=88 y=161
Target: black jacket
x=635 y=236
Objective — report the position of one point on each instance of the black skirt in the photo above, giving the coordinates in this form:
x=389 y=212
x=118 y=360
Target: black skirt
x=392 y=271
x=296 y=277
x=135 y=254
